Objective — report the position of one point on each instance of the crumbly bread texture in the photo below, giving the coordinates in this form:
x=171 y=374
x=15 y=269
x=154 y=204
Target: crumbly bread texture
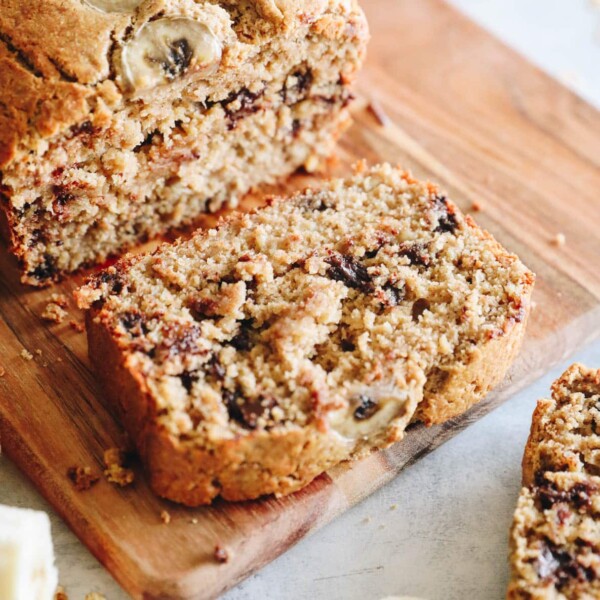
x=120 y=120
x=555 y=539
x=252 y=357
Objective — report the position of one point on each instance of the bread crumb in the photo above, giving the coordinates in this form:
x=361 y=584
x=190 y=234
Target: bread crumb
x=60 y=593
x=367 y=519
x=38 y=351
x=165 y=517
x=559 y=239
x=378 y=112
x=116 y=472
x=382 y=526
x=82 y=477
x=394 y=507
x=78 y=327
x=476 y=207
x=221 y=554
x=194 y=521
x=2 y=371
x=533 y=305
x=95 y=596
x=54 y=313
x=26 y=355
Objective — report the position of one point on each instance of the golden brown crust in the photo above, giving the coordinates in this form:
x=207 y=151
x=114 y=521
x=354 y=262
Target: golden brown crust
x=470 y=382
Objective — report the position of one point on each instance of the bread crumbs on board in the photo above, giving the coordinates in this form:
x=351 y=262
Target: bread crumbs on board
x=115 y=471
x=26 y=355
x=82 y=477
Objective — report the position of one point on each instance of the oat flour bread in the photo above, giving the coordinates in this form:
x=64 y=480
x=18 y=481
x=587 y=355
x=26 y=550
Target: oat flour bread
x=555 y=540
x=254 y=356
x=121 y=119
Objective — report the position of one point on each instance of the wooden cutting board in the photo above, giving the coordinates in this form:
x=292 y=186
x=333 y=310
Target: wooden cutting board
x=463 y=110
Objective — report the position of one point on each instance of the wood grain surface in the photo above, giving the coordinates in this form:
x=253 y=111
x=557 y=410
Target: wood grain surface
x=462 y=110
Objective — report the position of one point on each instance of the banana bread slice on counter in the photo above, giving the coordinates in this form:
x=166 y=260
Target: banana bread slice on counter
x=555 y=539
x=252 y=357
x=120 y=120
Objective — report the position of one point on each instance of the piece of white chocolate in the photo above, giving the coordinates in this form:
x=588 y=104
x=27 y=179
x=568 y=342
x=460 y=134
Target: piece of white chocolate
x=27 y=570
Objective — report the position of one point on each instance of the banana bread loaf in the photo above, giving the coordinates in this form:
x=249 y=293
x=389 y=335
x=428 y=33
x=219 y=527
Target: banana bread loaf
x=252 y=357
x=555 y=539
x=121 y=119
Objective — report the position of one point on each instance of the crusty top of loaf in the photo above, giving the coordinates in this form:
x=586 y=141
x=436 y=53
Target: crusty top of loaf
x=59 y=59
x=310 y=306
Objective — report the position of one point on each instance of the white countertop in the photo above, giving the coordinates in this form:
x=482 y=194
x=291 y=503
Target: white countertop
x=447 y=537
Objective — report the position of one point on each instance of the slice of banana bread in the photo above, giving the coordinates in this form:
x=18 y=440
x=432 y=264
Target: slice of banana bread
x=119 y=120
x=555 y=540
x=255 y=356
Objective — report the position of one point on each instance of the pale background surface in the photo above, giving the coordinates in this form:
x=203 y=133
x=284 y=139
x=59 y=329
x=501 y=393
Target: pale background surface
x=447 y=537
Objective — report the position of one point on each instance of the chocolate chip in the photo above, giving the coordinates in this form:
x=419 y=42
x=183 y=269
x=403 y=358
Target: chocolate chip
x=366 y=408
x=348 y=346
x=562 y=567
x=349 y=271
x=318 y=202
x=419 y=307
x=548 y=495
x=300 y=89
x=134 y=322
x=243 y=340
x=178 y=338
x=188 y=378
x=246 y=411
x=85 y=128
x=113 y=280
x=247 y=102
x=447 y=221
x=179 y=58
x=45 y=271
x=417 y=253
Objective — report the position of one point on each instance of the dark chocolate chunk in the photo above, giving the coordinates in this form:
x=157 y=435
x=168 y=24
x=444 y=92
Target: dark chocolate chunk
x=179 y=58
x=300 y=89
x=85 y=128
x=247 y=412
x=113 y=280
x=350 y=272
x=548 y=495
x=419 y=307
x=247 y=102
x=179 y=338
x=46 y=270
x=243 y=340
x=366 y=408
x=348 y=346
x=134 y=322
x=562 y=567
x=416 y=253
x=188 y=378
x=447 y=221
